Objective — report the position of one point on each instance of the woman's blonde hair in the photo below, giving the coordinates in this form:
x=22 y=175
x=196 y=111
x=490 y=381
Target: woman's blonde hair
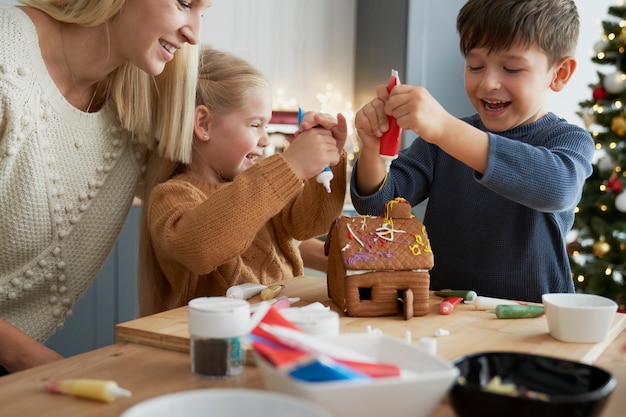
x=157 y=110
x=224 y=84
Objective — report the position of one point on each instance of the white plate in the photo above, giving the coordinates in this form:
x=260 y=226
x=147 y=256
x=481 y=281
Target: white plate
x=220 y=402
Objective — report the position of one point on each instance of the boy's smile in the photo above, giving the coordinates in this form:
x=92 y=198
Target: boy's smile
x=508 y=88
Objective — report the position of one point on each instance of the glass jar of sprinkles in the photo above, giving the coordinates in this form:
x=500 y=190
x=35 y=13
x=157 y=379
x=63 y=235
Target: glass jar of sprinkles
x=216 y=328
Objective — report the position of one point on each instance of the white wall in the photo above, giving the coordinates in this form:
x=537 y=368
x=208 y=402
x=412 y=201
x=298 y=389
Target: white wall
x=434 y=59
x=305 y=48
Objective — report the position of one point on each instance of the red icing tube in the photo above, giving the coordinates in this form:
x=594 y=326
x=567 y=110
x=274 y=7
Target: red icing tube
x=447 y=305
x=390 y=141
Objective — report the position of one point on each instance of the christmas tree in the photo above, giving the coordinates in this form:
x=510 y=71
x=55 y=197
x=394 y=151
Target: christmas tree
x=598 y=247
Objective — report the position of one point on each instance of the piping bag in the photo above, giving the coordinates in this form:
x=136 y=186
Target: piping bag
x=326 y=175
x=94 y=389
x=509 y=311
x=448 y=304
x=390 y=141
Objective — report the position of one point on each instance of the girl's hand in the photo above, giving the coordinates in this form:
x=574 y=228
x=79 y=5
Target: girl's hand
x=337 y=126
x=312 y=151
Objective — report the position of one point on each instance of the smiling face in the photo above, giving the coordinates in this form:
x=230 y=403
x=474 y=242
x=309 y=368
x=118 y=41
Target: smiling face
x=148 y=32
x=235 y=140
x=508 y=88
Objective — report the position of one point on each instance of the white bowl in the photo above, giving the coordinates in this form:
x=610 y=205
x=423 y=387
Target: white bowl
x=423 y=382
x=579 y=318
x=220 y=402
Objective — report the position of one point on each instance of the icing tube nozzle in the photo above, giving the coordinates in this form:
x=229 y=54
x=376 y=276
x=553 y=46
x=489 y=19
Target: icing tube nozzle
x=325 y=177
x=390 y=141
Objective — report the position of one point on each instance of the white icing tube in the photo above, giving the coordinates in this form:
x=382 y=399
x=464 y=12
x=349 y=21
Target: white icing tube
x=324 y=178
x=488 y=303
x=244 y=291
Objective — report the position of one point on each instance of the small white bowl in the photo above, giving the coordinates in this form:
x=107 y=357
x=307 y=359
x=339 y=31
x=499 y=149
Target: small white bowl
x=579 y=318
x=225 y=403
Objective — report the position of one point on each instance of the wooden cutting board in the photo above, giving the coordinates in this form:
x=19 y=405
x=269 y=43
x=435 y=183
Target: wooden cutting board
x=469 y=330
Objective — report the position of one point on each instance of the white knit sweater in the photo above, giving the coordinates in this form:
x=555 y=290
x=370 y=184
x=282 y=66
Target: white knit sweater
x=67 y=181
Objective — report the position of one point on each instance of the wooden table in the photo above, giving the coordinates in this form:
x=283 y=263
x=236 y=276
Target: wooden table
x=148 y=370
x=470 y=330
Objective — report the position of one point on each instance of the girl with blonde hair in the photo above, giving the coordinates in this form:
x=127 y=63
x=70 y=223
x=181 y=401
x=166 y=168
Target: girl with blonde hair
x=231 y=216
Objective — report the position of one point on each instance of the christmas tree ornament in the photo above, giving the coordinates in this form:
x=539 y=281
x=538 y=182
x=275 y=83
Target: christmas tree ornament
x=600 y=248
x=618 y=125
x=598 y=93
x=620 y=202
x=614 y=83
x=614 y=184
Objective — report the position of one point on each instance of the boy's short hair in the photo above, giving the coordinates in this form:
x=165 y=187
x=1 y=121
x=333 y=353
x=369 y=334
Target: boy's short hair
x=552 y=25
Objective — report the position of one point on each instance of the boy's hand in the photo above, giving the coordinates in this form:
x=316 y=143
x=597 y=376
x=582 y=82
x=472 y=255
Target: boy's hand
x=415 y=109
x=371 y=120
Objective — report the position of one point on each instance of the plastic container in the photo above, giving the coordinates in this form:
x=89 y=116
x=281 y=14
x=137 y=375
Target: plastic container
x=314 y=322
x=423 y=382
x=216 y=328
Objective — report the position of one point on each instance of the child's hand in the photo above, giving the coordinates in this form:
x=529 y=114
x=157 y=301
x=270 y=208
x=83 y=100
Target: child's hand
x=312 y=151
x=415 y=109
x=371 y=121
x=337 y=126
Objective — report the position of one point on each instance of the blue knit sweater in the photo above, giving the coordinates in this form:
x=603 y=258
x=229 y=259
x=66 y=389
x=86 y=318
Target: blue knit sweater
x=503 y=233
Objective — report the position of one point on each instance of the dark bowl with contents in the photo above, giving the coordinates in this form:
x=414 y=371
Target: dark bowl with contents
x=519 y=384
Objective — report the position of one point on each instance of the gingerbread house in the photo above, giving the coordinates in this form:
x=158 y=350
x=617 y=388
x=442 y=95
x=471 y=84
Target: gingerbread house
x=380 y=265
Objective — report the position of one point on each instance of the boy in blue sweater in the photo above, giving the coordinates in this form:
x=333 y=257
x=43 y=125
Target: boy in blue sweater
x=502 y=185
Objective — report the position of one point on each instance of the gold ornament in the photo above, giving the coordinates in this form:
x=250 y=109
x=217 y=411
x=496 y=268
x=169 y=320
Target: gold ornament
x=600 y=248
x=618 y=125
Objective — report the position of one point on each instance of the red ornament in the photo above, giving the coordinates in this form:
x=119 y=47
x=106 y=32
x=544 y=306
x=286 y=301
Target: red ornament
x=614 y=184
x=599 y=93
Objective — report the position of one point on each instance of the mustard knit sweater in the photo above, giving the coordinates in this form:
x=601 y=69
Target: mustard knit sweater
x=208 y=237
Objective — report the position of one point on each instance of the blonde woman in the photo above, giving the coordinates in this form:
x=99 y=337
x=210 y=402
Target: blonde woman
x=87 y=88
